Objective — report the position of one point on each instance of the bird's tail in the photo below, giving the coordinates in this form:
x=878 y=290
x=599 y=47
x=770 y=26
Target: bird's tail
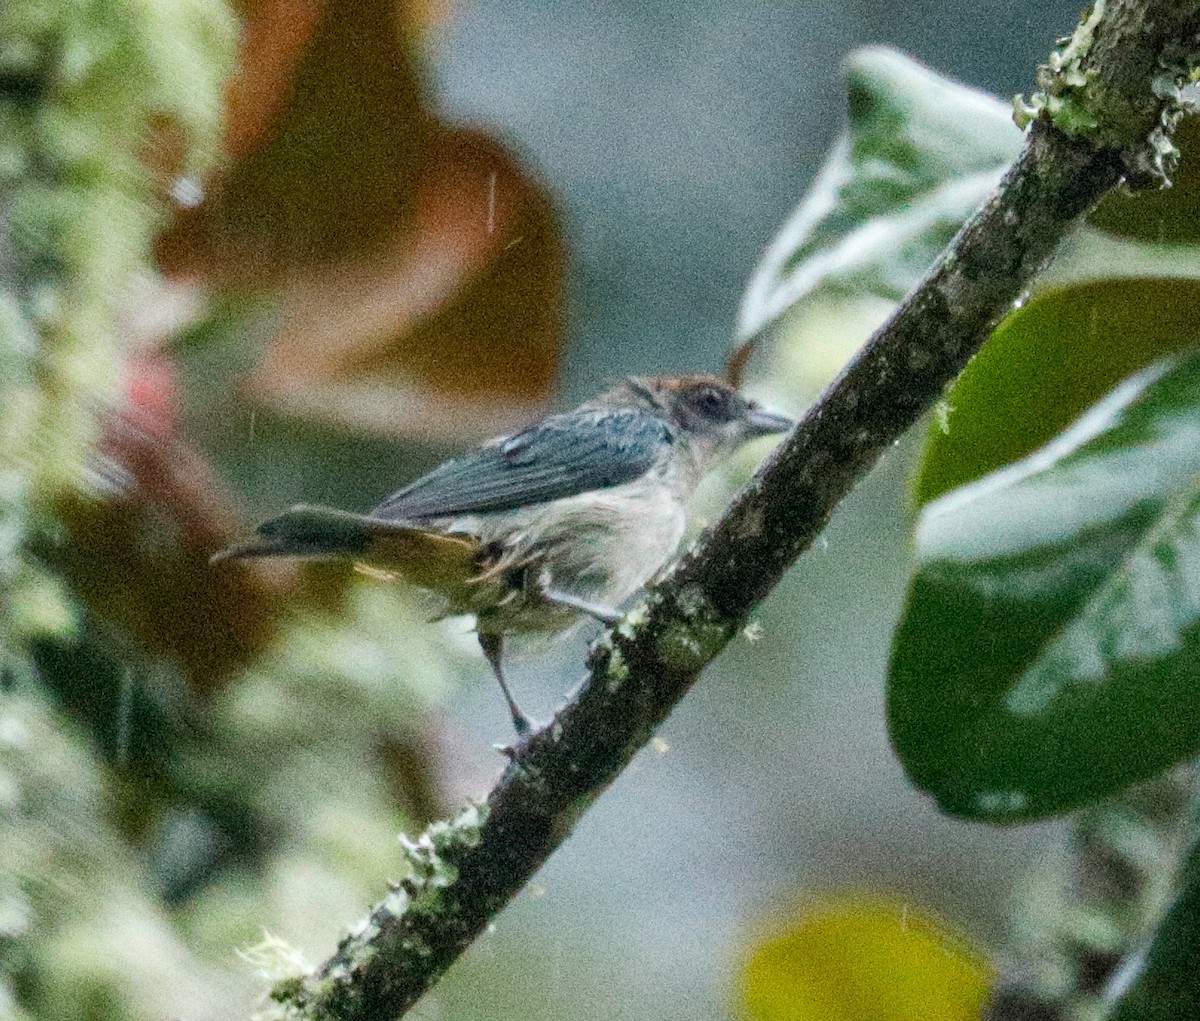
x=422 y=556
x=304 y=531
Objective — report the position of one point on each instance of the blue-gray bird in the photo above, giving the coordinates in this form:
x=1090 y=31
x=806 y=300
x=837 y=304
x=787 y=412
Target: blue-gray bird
x=564 y=519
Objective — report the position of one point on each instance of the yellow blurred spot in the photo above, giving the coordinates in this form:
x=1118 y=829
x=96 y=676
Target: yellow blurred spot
x=864 y=959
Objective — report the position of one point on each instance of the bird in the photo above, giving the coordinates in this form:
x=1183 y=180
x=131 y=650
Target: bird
x=535 y=531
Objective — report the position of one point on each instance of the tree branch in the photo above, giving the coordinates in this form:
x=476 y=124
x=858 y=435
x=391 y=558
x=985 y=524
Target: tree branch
x=467 y=870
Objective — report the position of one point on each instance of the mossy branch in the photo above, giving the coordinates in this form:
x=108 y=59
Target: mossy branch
x=466 y=871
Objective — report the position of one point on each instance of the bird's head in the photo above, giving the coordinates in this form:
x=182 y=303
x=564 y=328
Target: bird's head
x=707 y=412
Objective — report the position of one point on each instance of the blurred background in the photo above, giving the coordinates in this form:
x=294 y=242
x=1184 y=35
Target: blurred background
x=678 y=137
x=297 y=317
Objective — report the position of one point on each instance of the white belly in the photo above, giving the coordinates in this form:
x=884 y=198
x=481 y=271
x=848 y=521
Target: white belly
x=600 y=547
x=612 y=543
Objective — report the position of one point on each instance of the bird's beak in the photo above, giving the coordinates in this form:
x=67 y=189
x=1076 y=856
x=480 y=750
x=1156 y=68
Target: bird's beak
x=767 y=423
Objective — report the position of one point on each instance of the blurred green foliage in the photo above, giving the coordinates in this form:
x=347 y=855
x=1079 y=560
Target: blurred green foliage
x=1166 y=986
x=1046 y=657
x=75 y=204
x=81 y=937
x=123 y=793
x=80 y=84
x=1072 y=927
x=1047 y=654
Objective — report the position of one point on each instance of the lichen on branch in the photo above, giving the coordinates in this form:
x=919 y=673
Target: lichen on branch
x=1085 y=86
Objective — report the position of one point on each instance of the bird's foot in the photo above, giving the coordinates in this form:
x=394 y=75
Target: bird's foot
x=493 y=644
x=605 y=614
x=522 y=724
x=525 y=728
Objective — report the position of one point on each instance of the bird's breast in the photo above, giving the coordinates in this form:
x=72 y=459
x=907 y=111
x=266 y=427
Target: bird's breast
x=600 y=546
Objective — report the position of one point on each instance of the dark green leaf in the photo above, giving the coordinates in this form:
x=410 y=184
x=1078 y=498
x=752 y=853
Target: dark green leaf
x=1045 y=364
x=1050 y=650
x=1165 y=985
x=1169 y=215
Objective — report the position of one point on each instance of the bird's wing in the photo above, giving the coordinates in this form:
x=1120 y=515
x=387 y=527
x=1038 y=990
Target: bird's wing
x=561 y=456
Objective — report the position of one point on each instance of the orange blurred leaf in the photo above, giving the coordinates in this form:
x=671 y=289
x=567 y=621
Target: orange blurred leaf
x=138 y=553
x=275 y=36
x=326 y=136
x=419 y=269
x=461 y=327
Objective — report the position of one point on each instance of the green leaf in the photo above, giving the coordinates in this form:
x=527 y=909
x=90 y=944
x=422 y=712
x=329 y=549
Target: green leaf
x=1166 y=983
x=1168 y=215
x=1045 y=364
x=1049 y=653
x=919 y=155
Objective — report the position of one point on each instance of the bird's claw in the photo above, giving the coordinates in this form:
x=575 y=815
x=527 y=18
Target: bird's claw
x=607 y=615
x=525 y=728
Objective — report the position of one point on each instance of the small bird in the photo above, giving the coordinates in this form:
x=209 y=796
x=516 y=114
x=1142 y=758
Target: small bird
x=534 y=531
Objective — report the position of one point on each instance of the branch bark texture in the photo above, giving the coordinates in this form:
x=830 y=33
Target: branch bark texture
x=465 y=871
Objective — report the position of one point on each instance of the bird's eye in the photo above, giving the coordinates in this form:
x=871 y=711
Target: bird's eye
x=713 y=402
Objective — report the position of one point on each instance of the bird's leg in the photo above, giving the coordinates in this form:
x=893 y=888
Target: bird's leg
x=493 y=646
x=605 y=614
